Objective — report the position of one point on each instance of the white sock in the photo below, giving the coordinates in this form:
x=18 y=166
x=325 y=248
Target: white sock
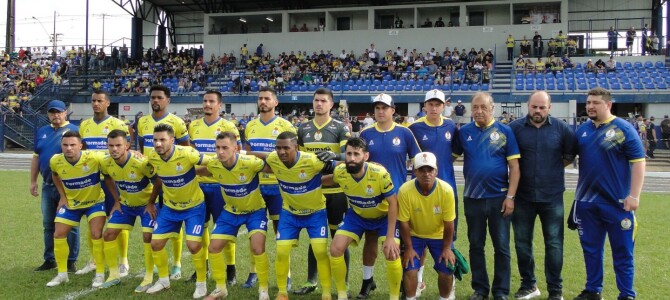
x=419 y=275
x=442 y=298
x=368 y=271
x=410 y=298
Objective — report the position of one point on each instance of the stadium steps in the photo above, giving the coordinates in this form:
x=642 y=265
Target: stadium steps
x=502 y=81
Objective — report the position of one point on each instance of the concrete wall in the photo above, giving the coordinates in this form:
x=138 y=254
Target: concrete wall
x=608 y=11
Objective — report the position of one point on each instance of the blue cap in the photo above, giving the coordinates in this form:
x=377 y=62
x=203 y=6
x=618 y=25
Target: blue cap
x=57 y=105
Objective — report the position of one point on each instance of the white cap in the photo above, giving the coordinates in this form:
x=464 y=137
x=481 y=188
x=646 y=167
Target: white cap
x=459 y=101
x=425 y=159
x=435 y=94
x=383 y=98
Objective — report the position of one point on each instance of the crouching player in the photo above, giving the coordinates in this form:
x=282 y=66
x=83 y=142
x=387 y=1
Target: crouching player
x=239 y=180
x=427 y=213
x=372 y=207
x=137 y=199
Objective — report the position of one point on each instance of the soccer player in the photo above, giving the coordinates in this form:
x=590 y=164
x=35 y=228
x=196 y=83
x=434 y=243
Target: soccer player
x=261 y=134
x=160 y=98
x=299 y=177
x=238 y=176
x=437 y=134
x=373 y=207
x=137 y=199
x=47 y=144
x=427 y=214
x=611 y=175
x=203 y=134
x=326 y=137
x=183 y=202
x=93 y=133
x=76 y=174
x=389 y=145
x=491 y=171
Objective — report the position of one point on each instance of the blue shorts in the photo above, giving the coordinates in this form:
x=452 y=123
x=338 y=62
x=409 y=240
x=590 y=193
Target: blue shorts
x=228 y=224
x=213 y=200
x=290 y=225
x=109 y=200
x=435 y=249
x=273 y=200
x=169 y=221
x=73 y=216
x=126 y=218
x=354 y=226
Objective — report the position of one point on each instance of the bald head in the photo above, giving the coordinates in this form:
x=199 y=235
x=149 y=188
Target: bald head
x=539 y=105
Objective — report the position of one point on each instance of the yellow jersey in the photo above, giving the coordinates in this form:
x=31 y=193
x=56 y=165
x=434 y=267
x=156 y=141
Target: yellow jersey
x=426 y=214
x=94 y=134
x=239 y=184
x=203 y=138
x=145 y=129
x=180 y=187
x=132 y=179
x=81 y=180
x=300 y=184
x=367 y=195
x=262 y=137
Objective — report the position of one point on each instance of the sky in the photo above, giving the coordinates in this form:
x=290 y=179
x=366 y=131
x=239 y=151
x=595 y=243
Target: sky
x=35 y=22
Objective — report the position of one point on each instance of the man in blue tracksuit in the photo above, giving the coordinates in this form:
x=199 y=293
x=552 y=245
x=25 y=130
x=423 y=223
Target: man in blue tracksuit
x=611 y=174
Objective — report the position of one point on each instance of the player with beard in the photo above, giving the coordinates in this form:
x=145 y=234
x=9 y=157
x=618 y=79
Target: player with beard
x=373 y=207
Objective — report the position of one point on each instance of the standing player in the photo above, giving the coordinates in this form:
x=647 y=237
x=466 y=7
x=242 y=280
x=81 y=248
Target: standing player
x=183 y=202
x=436 y=134
x=160 y=99
x=326 y=137
x=427 y=214
x=389 y=145
x=93 y=133
x=76 y=174
x=261 y=134
x=611 y=175
x=238 y=176
x=299 y=176
x=137 y=199
x=374 y=207
x=203 y=134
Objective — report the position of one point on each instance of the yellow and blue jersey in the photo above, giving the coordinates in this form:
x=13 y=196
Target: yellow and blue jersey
x=391 y=149
x=132 y=179
x=486 y=150
x=94 y=134
x=81 y=180
x=203 y=138
x=605 y=154
x=438 y=139
x=426 y=214
x=300 y=184
x=145 y=130
x=180 y=187
x=331 y=136
x=239 y=184
x=261 y=137
x=367 y=195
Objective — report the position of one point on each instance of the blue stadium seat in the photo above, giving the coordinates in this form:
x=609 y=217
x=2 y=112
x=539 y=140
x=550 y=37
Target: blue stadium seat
x=649 y=86
x=626 y=86
x=648 y=64
x=418 y=87
x=465 y=87
x=354 y=88
x=551 y=86
x=627 y=65
x=363 y=88
x=474 y=87
x=402 y=82
x=455 y=87
x=560 y=87
x=398 y=88
x=661 y=85
x=393 y=82
x=303 y=88
x=389 y=88
x=582 y=86
x=519 y=86
x=372 y=88
x=616 y=86
x=660 y=65
x=427 y=87
x=530 y=86
x=408 y=88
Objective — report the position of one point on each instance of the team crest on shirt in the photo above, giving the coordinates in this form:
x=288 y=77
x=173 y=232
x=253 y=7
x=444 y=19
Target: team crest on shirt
x=610 y=134
x=217 y=132
x=302 y=174
x=318 y=135
x=626 y=224
x=179 y=167
x=275 y=132
x=437 y=210
x=447 y=135
x=242 y=177
x=105 y=130
x=85 y=167
x=396 y=141
x=132 y=175
x=369 y=190
x=307 y=136
x=494 y=136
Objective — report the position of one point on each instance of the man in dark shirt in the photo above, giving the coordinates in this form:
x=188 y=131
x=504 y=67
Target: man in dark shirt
x=459 y=111
x=356 y=127
x=547 y=146
x=538 y=44
x=439 y=22
x=651 y=136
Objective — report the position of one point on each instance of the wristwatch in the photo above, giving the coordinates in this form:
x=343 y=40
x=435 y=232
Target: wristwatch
x=510 y=197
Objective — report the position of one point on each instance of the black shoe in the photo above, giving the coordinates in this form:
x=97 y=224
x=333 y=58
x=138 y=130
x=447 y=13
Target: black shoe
x=588 y=295
x=307 y=288
x=626 y=298
x=527 y=293
x=478 y=296
x=231 y=275
x=47 y=265
x=192 y=278
x=368 y=286
x=556 y=295
x=71 y=266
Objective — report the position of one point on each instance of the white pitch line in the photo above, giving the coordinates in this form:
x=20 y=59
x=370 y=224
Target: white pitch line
x=77 y=294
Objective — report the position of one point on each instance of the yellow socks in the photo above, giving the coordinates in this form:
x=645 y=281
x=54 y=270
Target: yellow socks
x=122 y=239
x=394 y=276
x=177 y=244
x=252 y=262
x=99 y=256
x=61 y=251
x=148 y=264
x=229 y=253
x=217 y=265
x=263 y=264
x=111 y=253
x=322 y=264
x=282 y=266
x=205 y=242
x=339 y=268
x=200 y=264
x=161 y=262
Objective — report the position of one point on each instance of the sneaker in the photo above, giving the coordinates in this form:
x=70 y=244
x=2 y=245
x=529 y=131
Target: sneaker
x=161 y=284
x=231 y=275
x=500 y=298
x=288 y=285
x=420 y=288
x=305 y=289
x=60 y=278
x=588 y=295
x=556 y=295
x=175 y=273
x=110 y=283
x=47 y=265
x=368 y=286
x=217 y=294
x=98 y=280
x=71 y=266
x=142 y=288
x=88 y=268
x=627 y=297
x=282 y=296
x=478 y=296
x=201 y=290
x=124 y=269
x=263 y=295
x=251 y=281
x=527 y=293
